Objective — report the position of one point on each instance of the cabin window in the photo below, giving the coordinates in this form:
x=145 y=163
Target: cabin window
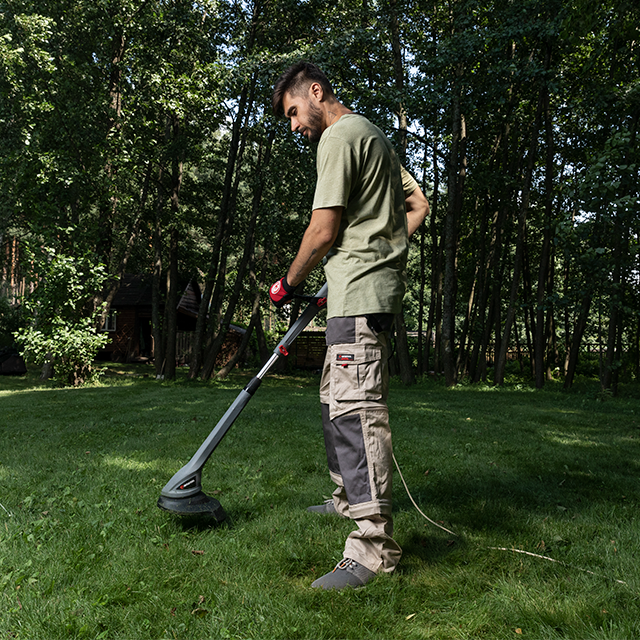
x=110 y=321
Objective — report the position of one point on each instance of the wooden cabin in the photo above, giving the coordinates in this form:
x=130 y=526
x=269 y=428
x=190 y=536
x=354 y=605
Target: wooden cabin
x=129 y=324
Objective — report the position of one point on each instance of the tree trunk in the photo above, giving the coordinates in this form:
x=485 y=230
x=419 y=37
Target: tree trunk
x=479 y=310
x=492 y=295
x=217 y=298
x=124 y=259
x=171 y=309
x=402 y=345
x=264 y=156
x=621 y=231
x=545 y=257
x=456 y=175
x=398 y=76
x=615 y=314
x=402 y=349
x=566 y=317
x=462 y=363
x=433 y=321
x=482 y=333
x=114 y=125
x=220 y=240
x=552 y=344
x=439 y=282
x=529 y=312
x=421 y=287
x=576 y=340
x=263 y=348
x=156 y=315
x=501 y=355
x=502 y=349
x=253 y=323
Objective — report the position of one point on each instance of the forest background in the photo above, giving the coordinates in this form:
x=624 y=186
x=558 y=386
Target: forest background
x=137 y=137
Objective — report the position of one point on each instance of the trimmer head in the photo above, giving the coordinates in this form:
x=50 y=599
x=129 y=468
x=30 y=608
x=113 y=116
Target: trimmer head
x=199 y=504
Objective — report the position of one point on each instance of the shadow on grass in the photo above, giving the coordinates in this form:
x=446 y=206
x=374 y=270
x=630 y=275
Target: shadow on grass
x=419 y=549
x=198 y=524
x=501 y=462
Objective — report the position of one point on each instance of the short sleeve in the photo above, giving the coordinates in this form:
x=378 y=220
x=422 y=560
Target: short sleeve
x=337 y=172
x=409 y=185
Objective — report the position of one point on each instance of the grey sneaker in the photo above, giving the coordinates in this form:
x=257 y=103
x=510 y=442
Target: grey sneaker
x=347 y=573
x=326 y=508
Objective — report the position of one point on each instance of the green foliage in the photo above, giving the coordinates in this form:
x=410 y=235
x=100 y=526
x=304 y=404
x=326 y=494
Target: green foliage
x=70 y=346
x=103 y=105
x=62 y=318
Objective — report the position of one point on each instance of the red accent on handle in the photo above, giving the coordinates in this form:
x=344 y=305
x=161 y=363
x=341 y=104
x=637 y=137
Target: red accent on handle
x=321 y=302
x=283 y=350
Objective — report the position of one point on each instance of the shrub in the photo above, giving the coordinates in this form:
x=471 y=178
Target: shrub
x=63 y=319
x=71 y=346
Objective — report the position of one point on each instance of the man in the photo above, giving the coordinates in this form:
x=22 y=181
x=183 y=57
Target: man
x=365 y=207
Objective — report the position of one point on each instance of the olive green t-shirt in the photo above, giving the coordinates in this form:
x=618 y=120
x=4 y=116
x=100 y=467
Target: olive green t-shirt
x=359 y=170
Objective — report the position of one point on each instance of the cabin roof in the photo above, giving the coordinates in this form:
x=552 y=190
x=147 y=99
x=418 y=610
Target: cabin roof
x=134 y=291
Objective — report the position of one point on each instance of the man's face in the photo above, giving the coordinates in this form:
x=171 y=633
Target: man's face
x=306 y=118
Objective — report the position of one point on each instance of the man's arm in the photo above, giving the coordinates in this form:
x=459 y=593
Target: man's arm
x=417 y=208
x=316 y=242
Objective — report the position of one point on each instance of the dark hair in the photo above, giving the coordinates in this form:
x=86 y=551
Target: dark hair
x=296 y=80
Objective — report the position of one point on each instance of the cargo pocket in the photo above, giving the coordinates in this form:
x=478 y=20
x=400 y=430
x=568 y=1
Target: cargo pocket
x=356 y=372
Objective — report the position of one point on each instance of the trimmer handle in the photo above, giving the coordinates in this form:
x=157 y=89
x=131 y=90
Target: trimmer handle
x=316 y=304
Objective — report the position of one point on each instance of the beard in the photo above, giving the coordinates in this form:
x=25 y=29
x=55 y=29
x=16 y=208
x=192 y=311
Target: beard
x=314 y=126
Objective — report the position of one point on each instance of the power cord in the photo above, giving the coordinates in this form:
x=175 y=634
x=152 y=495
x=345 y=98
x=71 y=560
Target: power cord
x=513 y=549
x=435 y=524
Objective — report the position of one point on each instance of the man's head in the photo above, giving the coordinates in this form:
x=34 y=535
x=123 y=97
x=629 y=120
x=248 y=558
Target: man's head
x=302 y=94
x=296 y=81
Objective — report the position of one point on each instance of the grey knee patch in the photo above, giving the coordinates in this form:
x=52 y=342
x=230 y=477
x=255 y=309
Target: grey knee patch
x=351 y=457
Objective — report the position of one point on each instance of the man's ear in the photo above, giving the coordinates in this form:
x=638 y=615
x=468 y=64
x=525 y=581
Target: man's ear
x=316 y=91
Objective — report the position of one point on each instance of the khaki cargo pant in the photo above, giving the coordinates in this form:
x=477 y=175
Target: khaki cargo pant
x=355 y=420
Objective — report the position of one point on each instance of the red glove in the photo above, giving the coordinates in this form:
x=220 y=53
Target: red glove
x=281 y=292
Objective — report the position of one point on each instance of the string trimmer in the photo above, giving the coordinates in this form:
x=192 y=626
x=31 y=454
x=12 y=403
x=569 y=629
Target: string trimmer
x=183 y=494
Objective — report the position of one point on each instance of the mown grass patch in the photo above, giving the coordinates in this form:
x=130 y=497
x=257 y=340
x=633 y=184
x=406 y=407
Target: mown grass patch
x=85 y=552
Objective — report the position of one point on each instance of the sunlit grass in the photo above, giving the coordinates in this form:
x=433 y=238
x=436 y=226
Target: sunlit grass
x=85 y=552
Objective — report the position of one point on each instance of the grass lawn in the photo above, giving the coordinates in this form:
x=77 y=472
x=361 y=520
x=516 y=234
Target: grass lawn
x=85 y=552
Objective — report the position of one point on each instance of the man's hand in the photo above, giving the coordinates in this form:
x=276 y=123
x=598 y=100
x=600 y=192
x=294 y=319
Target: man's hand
x=281 y=292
